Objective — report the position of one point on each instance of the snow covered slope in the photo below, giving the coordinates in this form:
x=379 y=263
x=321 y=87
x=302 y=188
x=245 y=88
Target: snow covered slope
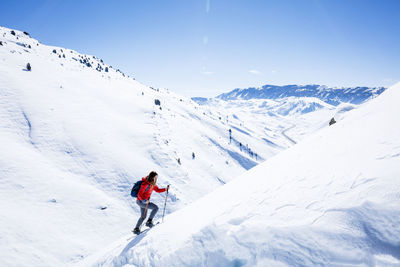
x=331 y=200
x=289 y=117
x=75 y=134
x=291 y=111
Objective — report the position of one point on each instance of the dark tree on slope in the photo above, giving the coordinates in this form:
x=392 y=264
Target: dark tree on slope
x=106 y=69
x=26 y=33
x=13 y=33
x=28 y=66
x=332 y=121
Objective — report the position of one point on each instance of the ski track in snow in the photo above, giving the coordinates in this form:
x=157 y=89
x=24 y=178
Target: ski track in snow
x=287 y=137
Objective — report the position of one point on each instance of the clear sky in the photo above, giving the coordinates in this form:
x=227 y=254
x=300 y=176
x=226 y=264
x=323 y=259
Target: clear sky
x=206 y=47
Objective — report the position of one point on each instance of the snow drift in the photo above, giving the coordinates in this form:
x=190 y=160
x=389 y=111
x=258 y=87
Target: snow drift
x=331 y=200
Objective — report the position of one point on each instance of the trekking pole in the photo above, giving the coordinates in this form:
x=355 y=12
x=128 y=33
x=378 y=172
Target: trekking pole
x=165 y=203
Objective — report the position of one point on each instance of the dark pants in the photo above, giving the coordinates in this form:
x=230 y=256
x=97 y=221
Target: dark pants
x=150 y=206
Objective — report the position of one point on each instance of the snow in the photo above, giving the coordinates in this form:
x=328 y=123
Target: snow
x=333 y=96
x=75 y=139
x=331 y=200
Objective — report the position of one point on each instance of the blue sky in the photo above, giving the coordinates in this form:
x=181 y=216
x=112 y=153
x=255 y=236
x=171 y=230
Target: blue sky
x=206 y=47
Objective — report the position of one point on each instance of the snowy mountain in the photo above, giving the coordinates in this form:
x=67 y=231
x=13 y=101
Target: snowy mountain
x=331 y=200
x=76 y=134
x=332 y=96
x=292 y=111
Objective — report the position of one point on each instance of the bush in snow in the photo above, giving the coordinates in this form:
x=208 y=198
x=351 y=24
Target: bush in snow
x=54 y=51
x=1 y=43
x=13 y=33
x=26 y=33
x=106 y=69
x=332 y=121
x=99 y=67
x=157 y=102
x=28 y=66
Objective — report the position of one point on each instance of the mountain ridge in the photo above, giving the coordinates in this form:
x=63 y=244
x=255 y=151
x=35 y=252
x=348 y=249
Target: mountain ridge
x=334 y=95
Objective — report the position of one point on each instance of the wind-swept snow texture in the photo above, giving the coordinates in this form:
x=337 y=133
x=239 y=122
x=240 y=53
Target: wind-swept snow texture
x=332 y=199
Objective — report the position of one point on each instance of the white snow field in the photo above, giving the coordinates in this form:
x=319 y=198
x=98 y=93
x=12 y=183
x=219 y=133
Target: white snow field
x=331 y=200
x=75 y=134
x=74 y=139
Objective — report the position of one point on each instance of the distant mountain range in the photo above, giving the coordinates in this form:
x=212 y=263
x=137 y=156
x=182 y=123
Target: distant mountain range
x=333 y=96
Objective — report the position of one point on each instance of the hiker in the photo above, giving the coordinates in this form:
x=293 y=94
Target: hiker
x=143 y=199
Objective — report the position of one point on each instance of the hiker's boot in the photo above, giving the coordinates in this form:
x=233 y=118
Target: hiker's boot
x=149 y=223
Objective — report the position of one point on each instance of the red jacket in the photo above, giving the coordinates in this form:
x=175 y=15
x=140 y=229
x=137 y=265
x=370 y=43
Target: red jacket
x=146 y=189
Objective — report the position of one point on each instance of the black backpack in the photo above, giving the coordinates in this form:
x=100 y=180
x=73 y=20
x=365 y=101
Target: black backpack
x=135 y=188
